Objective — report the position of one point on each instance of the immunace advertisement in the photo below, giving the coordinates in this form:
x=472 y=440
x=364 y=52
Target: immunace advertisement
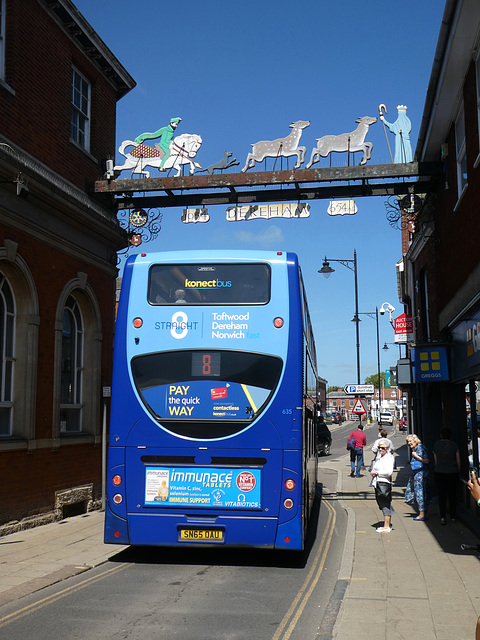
x=203 y=487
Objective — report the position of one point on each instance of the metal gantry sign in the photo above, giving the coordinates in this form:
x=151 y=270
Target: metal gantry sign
x=297 y=185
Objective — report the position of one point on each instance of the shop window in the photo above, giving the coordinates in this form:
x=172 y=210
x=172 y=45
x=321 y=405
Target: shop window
x=424 y=305
x=461 y=151
x=473 y=424
x=2 y=39
x=477 y=74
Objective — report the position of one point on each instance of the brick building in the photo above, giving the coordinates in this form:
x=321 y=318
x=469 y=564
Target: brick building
x=59 y=85
x=344 y=404
x=440 y=270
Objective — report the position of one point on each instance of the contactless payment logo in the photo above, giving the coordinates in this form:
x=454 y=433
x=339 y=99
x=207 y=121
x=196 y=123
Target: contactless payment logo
x=217 y=394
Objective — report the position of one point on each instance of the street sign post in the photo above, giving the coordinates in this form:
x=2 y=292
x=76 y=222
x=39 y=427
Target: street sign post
x=359 y=407
x=365 y=389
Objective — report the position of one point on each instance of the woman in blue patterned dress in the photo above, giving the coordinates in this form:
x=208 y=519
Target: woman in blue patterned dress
x=416 y=492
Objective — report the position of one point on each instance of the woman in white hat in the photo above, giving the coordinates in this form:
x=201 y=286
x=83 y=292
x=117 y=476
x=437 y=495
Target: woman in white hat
x=382 y=472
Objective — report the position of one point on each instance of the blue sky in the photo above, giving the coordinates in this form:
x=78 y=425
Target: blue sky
x=240 y=72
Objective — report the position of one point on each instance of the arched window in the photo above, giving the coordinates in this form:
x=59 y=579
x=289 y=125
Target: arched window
x=7 y=355
x=72 y=367
x=77 y=383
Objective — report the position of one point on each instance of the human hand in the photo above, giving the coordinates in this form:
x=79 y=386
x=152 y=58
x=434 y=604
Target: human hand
x=474 y=486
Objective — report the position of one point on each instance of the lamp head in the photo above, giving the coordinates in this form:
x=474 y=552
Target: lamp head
x=326 y=268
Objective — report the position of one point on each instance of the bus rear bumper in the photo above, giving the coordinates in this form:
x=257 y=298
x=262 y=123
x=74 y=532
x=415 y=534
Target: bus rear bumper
x=172 y=530
x=116 y=529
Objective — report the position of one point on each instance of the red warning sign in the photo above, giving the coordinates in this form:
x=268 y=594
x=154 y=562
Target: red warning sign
x=359 y=407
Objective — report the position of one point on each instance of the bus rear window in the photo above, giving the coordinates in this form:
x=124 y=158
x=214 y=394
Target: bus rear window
x=244 y=283
x=206 y=393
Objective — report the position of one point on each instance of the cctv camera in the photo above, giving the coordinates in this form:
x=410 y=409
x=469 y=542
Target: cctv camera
x=381 y=311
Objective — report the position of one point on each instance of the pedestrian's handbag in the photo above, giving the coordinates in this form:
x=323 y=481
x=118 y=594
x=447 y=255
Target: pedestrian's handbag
x=351 y=443
x=415 y=464
x=383 y=490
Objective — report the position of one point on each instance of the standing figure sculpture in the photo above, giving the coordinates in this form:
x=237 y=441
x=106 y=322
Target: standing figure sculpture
x=401 y=129
x=166 y=136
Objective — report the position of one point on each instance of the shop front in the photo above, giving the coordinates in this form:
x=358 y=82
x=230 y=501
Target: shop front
x=465 y=367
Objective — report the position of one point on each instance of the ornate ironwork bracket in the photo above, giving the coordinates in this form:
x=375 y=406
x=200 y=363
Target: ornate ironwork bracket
x=141 y=225
x=404 y=211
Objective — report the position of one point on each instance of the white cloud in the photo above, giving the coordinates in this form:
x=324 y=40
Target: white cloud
x=271 y=237
x=268 y=238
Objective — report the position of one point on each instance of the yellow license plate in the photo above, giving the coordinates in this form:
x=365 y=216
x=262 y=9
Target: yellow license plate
x=202 y=535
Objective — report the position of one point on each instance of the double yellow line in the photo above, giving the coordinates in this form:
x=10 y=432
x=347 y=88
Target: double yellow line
x=21 y=613
x=287 y=625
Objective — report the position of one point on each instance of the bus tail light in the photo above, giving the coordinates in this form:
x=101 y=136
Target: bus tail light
x=117 y=480
x=290 y=484
x=288 y=503
x=278 y=323
x=118 y=498
x=137 y=323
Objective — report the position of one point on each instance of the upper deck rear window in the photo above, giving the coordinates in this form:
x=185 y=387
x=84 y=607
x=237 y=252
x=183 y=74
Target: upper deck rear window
x=192 y=284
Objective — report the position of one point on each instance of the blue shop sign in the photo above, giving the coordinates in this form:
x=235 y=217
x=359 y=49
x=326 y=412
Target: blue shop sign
x=466 y=347
x=430 y=364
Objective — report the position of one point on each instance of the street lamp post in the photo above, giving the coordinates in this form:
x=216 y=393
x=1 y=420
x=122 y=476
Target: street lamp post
x=397 y=344
x=374 y=316
x=327 y=270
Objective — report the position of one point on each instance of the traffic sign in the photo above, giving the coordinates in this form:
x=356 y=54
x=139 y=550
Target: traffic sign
x=359 y=388
x=359 y=407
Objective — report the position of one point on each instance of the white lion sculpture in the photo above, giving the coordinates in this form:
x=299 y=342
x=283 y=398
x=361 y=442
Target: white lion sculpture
x=182 y=149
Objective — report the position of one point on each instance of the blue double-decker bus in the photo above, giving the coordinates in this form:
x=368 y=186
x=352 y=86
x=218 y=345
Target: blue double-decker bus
x=214 y=402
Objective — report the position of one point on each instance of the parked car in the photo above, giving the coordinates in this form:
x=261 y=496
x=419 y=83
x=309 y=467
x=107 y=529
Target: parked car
x=385 y=418
x=328 y=418
x=324 y=438
x=337 y=417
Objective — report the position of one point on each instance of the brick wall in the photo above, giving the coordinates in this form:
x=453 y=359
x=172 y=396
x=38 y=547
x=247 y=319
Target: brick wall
x=39 y=60
x=55 y=241
x=51 y=270
x=457 y=224
x=30 y=480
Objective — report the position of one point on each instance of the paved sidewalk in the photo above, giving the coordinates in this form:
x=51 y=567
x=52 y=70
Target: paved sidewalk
x=36 y=558
x=414 y=582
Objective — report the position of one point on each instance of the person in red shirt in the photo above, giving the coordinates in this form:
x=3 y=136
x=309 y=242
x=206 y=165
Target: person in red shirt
x=356 y=455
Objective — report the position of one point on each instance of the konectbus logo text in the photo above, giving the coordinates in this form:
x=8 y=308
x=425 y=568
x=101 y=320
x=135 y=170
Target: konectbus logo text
x=206 y=284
